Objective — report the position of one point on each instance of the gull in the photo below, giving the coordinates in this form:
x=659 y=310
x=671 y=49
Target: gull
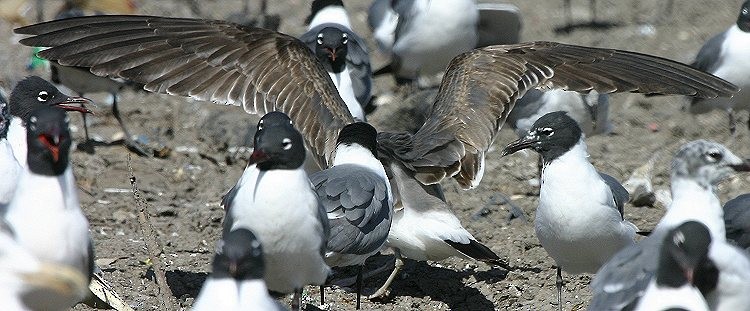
x=683 y=255
x=425 y=228
x=44 y=215
x=236 y=282
x=697 y=168
x=275 y=199
x=425 y=34
x=725 y=55
x=357 y=198
x=580 y=220
x=342 y=52
x=28 y=95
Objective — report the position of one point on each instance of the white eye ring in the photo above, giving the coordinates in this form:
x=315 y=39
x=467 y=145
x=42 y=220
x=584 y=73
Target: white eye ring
x=679 y=238
x=345 y=38
x=286 y=143
x=32 y=119
x=320 y=38
x=43 y=96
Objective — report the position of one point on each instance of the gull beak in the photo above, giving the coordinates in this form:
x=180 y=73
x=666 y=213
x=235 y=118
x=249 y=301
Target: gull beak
x=258 y=156
x=232 y=268
x=742 y=167
x=52 y=142
x=332 y=53
x=75 y=104
x=523 y=143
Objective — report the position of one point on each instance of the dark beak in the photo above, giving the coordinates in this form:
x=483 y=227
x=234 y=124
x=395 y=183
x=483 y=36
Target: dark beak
x=332 y=52
x=75 y=104
x=258 y=156
x=689 y=275
x=518 y=145
x=744 y=167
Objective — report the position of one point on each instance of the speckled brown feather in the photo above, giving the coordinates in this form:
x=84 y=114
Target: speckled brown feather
x=262 y=70
x=258 y=69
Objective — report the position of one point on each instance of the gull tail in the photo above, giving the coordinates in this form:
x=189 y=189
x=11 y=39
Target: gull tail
x=476 y=251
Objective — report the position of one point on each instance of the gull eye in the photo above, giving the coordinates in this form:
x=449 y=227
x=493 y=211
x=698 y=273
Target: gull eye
x=43 y=96
x=320 y=38
x=344 y=38
x=286 y=143
x=546 y=131
x=714 y=155
x=678 y=239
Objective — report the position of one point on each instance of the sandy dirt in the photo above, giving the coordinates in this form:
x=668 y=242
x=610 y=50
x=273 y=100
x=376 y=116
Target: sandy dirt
x=184 y=189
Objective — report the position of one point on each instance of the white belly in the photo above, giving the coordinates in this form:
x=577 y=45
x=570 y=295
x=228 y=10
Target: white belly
x=417 y=49
x=285 y=221
x=735 y=50
x=343 y=82
x=10 y=170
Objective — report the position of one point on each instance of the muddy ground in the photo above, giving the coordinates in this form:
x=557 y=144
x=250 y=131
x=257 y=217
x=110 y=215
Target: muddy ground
x=184 y=189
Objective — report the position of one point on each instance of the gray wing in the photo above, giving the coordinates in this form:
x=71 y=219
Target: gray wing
x=708 y=56
x=357 y=59
x=619 y=192
x=358 y=208
x=377 y=12
x=737 y=220
x=226 y=203
x=624 y=278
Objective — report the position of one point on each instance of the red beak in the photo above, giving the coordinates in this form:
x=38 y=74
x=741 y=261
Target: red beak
x=52 y=142
x=258 y=156
x=332 y=52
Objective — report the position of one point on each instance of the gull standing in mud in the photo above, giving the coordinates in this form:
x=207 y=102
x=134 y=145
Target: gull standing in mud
x=580 y=220
x=357 y=197
x=275 y=200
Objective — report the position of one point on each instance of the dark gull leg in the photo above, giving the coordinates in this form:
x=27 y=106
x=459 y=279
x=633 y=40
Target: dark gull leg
x=559 y=284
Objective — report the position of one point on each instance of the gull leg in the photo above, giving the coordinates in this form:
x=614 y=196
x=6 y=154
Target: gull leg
x=397 y=265
x=129 y=142
x=559 y=284
x=359 y=285
x=322 y=295
x=296 y=298
x=87 y=145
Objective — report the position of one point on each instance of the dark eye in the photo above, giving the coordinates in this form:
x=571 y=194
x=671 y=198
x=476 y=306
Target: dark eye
x=286 y=143
x=43 y=96
x=546 y=131
x=344 y=38
x=715 y=155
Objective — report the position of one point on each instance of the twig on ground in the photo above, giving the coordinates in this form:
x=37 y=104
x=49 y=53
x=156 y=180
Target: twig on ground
x=152 y=245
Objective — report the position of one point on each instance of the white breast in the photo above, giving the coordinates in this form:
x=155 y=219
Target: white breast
x=47 y=220
x=10 y=169
x=576 y=221
x=343 y=82
x=658 y=299
x=281 y=208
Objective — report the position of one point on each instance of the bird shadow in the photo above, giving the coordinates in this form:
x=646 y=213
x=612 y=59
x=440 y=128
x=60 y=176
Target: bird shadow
x=593 y=25
x=185 y=284
x=420 y=279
